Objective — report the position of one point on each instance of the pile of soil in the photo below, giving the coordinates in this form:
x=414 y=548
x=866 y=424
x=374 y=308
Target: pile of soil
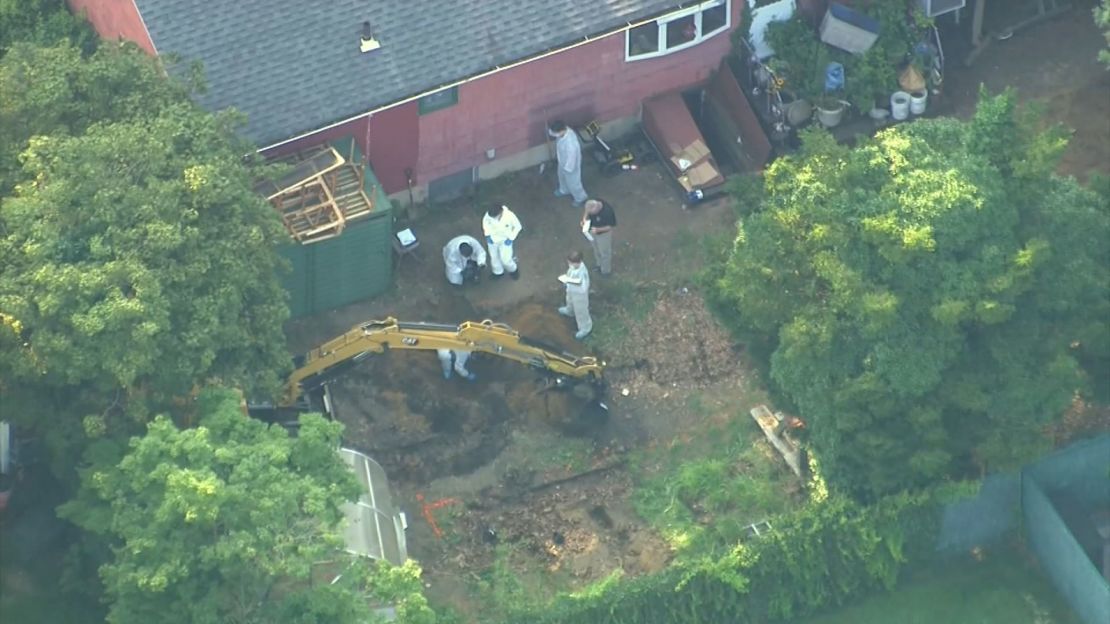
x=544 y=324
x=560 y=409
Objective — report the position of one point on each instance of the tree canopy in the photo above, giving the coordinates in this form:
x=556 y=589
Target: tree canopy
x=222 y=522
x=135 y=259
x=927 y=296
x=58 y=90
x=136 y=265
x=1102 y=20
x=44 y=22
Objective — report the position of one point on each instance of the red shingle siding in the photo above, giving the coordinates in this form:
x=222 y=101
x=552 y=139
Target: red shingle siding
x=114 y=19
x=507 y=111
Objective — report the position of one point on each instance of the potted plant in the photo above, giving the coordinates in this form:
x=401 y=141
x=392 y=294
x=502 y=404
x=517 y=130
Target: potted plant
x=830 y=110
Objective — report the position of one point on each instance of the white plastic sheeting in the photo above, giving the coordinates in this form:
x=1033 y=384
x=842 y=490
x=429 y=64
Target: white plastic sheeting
x=374 y=527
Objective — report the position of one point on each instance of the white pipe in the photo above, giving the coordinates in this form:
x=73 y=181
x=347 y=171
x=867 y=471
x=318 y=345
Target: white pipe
x=5 y=447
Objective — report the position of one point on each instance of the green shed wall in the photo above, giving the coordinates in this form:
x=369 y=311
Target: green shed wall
x=356 y=265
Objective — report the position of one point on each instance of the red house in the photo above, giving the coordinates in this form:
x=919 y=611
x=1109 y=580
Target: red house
x=436 y=92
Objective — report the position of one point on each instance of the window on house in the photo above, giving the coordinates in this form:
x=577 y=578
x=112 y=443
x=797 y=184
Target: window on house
x=438 y=100
x=681 y=31
x=678 y=30
x=643 y=40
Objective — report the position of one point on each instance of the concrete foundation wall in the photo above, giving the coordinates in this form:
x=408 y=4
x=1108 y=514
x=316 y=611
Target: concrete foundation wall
x=531 y=157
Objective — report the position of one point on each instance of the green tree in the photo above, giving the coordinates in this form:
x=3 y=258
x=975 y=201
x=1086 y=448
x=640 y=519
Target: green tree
x=927 y=295
x=225 y=522
x=138 y=263
x=1102 y=20
x=44 y=22
x=58 y=91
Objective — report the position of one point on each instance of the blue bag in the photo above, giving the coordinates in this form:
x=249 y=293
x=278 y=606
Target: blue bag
x=834 y=77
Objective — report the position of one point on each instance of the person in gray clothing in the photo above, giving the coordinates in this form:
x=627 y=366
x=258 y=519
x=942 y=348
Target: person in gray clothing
x=568 y=153
x=577 y=282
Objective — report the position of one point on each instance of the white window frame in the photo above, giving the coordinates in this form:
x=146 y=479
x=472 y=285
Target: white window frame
x=662 y=22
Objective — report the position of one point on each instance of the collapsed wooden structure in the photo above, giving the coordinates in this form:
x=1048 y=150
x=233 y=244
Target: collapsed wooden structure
x=320 y=194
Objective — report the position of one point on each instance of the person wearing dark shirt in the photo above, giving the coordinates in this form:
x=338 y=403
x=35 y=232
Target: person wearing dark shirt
x=598 y=221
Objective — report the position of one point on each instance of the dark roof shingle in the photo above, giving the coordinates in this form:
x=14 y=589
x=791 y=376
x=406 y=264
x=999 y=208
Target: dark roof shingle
x=294 y=66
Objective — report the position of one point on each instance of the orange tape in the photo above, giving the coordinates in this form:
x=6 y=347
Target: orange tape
x=427 y=508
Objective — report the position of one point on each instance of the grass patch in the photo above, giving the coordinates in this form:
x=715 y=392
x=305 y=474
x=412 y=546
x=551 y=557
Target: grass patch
x=1004 y=589
x=515 y=583
x=557 y=454
x=33 y=594
x=700 y=493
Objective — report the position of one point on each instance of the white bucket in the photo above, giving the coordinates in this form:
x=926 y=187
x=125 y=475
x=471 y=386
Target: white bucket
x=900 y=105
x=918 y=100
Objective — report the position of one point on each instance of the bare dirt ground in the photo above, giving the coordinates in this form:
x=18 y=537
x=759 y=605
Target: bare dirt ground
x=519 y=476
x=542 y=472
x=1053 y=62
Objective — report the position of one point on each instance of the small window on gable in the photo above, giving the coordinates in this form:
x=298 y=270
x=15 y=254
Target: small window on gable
x=678 y=30
x=438 y=100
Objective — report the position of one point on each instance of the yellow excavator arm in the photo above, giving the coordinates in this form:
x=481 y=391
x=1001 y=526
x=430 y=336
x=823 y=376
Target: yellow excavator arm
x=318 y=365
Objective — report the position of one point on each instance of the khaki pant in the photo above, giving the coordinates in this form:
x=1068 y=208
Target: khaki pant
x=603 y=251
x=578 y=304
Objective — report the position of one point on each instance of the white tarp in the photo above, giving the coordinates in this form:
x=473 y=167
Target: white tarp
x=764 y=15
x=374 y=527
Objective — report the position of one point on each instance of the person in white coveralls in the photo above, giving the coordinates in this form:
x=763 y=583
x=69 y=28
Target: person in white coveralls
x=455 y=360
x=501 y=227
x=463 y=257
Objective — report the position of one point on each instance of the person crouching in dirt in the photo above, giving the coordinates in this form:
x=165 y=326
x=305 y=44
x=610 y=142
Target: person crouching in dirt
x=501 y=228
x=577 y=282
x=455 y=360
x=464 y=259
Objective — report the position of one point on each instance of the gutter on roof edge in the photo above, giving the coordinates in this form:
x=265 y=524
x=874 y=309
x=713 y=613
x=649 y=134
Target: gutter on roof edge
x=142 y=20
x=500 y=68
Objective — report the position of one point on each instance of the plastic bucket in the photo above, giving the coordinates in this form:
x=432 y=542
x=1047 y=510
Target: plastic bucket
x=900 y=105
x=918 y=101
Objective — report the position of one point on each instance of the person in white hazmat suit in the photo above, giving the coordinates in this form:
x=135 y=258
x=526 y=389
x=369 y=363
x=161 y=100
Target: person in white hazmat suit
x=464 y=258
x=501 y=227
x=577 y=282
x=568 y=153
x=455 y=361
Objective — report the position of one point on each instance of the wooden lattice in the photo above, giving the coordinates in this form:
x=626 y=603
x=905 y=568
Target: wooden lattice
x=318 y=197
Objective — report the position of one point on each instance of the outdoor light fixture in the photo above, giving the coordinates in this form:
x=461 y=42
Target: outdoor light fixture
x=368 y=42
